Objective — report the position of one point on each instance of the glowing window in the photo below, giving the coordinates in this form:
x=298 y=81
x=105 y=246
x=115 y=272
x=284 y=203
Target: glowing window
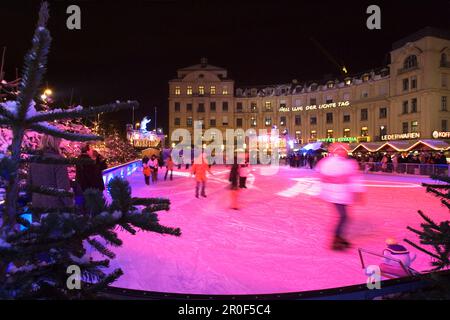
x=189 y=90
x=212 y=90
x=225 y=91
x=201 y=90
x=177 y=90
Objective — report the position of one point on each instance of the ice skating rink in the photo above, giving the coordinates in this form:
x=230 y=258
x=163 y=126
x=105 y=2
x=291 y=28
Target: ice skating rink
x=279 y=241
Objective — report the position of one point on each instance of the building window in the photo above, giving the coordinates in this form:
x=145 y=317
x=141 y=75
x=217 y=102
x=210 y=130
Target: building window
x=346 y=96
x=201 y=90
x=364 y=114
x=298 y=135
x=405 y=127
x=383 y=113
x=189 y=107
x=225 y=91
x=239 y=107
x=329 y=100
x=282 y=121
x=313 y=134
x=313 y=120
x=189 y=91
x=253 y=107
x=201 y=107
x=253 y=121
x=364 y=94
x=189 y=121
x=225 y=121
x=405 y=84
x=405 y=107
x=346 y=132
x=444 y=126
x=212 y=90
x=239 y=122
x=225 y=106
x=444 y=103
x=414 y=126
x=268 y=121
x=414 y=105
x=177 y=91
x=410 y=62
x=346 y=118
x=413 y=83
x=312 y=101
x=177 y=121
x=383 y=131
x=364 y=132
x=329 y=133
x=329 y=117
x=298 y=120
x=365 y=78
x=444 y=80
x=212 y=106
x=177 y=107
x=268 y=106
x=212 y=122
x=282 y=105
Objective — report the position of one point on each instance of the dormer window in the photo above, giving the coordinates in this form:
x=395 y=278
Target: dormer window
x=330 y=85
x=365 y=78
x=177 y=91
x=348 y=81
x=224 y=90
x=212 y=90
x=189 y=91
x=444 y=61
x=201 y=90
x=410 y=62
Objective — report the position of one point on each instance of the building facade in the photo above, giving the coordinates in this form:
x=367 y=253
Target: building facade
x=408 y=99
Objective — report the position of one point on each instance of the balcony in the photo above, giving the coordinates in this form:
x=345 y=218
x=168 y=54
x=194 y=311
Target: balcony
x=403 y=70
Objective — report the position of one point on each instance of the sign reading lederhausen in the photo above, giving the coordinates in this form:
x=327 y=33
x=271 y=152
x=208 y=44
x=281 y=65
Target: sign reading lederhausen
x=315 y=106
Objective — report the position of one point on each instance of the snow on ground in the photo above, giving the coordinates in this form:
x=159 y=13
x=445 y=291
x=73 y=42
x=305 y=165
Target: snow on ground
x=278 y=242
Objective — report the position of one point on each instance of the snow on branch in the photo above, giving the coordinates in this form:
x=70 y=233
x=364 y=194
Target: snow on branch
x=54 y=131
x=80 y=112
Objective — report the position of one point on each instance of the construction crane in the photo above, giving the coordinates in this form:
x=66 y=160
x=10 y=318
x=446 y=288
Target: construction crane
x=342 y=68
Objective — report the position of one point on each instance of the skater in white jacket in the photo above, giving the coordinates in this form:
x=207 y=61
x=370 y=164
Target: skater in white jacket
x=341 y=185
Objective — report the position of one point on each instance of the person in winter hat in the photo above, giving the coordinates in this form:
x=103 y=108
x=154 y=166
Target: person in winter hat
x=395 y=251
x=341 y=184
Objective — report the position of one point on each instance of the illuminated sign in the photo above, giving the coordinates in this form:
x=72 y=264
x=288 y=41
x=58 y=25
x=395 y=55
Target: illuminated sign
x=315 y=106
x=401 y=136
x=341 y=139
x=441 y=134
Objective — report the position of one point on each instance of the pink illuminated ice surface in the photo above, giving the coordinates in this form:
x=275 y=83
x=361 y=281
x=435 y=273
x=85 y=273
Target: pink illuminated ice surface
x=278 y=242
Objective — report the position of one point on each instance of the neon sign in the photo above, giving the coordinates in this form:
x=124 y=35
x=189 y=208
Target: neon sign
x=332 y=105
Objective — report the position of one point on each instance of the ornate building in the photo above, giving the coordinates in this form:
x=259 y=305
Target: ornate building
x=408 y=99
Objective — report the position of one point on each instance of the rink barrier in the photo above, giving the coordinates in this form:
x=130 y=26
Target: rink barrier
x=122 y=170
x=353 y=292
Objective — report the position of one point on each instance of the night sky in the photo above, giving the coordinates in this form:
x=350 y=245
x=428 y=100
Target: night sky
x=131 y=49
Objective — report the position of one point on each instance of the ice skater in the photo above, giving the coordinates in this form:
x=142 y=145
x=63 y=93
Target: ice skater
x=341 y=185
x=169 y=167
x=234 y=179
x=199 y=170
x=244 y=170
x=153 y=164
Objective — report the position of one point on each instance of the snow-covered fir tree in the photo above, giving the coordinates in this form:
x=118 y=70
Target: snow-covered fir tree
x=34 y=261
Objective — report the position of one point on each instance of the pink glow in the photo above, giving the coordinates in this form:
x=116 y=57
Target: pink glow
x=279 y=240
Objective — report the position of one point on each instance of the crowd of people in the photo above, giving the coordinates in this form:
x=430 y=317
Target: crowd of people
x=88 y=175
x=304 y=159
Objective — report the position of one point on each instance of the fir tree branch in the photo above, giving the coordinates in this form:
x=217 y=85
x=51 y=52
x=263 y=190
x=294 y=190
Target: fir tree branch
x=53 y=131
x=431 y=254
x=101 y=248
x=34 y=64
x=81 y=112
x=50 y=191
